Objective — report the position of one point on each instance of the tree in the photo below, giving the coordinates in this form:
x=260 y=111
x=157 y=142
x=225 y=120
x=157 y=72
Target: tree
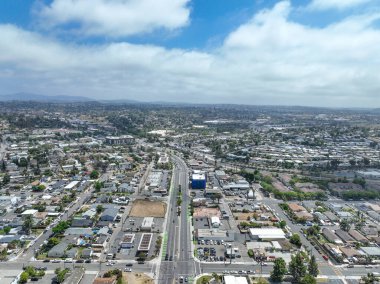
x=218 y=196
x=313 y=267
x=279 y=270
x=61 y=274
x=4 y=254
x=28 y=224
x=282 y=224
x=296 y=267
x=3 y=166
x=23 y=162
x=7 y=230
x=61 y=227
x=313 y=230
x=296 y=240
x=141 y=255
x=98 y=186
x=216 y=277
x=345 y=225
x=308 y=279
x=99 y=209
x=6 y=179
x=94 y=174
x=52 y=242
x=369 y=279
x=23 y=277
x=262 y=280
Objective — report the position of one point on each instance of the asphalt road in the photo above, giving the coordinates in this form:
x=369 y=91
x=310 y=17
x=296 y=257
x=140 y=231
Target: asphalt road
x=167 y=268
x=185 y=264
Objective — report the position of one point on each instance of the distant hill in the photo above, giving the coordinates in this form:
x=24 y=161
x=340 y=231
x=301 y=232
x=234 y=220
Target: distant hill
x=42 y=98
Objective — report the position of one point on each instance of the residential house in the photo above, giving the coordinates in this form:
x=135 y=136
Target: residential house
x=344 y=236
x=58 y=250
x=109 y=214
x=331 y=236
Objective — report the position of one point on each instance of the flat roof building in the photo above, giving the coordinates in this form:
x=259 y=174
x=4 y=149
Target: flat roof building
x=215 y=235
x=128 y=241
x=230 y=279
x=215 y=221
x=198 y=181
x=72 y=185
x=120 y=140
x=145 y=242
x=147 y=224
x=266 y=234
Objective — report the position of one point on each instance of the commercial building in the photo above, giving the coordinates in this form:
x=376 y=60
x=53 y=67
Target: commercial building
x=215 y=235
x=154 y=179
x=198 y=181
x=215 y=222
x=147 y=224
x=72 y=185
x=145 y=242
x=128 y=241
x=241 y=184
x=230 y=279
x=267 y=234
x=120 y=140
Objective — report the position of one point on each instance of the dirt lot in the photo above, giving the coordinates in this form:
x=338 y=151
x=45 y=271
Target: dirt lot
x=137 y=278
x=146 y=208
x=202 y=212
x=243 y=216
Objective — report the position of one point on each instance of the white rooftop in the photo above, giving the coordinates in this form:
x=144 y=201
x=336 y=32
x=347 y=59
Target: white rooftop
x=230 y=279
x=265 y=233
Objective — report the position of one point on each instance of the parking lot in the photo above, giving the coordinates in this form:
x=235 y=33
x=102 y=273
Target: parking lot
x=132 y=225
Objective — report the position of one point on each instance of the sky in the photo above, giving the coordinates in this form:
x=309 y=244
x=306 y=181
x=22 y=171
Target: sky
x=257 y=52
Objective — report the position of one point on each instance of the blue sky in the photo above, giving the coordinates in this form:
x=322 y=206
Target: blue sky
x=305 y=52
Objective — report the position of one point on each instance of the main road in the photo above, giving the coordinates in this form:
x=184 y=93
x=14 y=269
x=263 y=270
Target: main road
x=178 y=259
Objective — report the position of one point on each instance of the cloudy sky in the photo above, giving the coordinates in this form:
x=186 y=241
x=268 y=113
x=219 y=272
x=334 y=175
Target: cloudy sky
x=300 y=52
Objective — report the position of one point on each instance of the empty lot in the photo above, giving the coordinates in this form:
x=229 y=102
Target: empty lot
x=146 y=208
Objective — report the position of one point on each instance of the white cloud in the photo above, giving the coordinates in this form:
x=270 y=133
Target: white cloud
x=116 y=18
x=268 y=60
x=335 y=4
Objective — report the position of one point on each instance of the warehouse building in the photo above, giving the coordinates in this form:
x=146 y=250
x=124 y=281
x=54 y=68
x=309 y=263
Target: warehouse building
x=266 y=234
x=215 y=235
